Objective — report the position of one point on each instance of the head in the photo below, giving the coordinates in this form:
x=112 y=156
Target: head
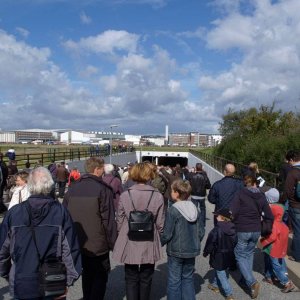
x=108 y=169
x=40 y=181
x=223 y=215
x=21 y=178
x=198 y=167
x=181 y=190
x=250 y=180
x=141 y=172
x=293 y=156
x=62 y=163
x=27 y=164
x=272 y=195
x=229 y=170
x=253 y=166
x=95 y=166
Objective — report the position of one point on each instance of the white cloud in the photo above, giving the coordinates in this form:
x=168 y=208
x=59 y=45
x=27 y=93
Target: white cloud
x=84 y=18
x=23 y=32
x=109 y=41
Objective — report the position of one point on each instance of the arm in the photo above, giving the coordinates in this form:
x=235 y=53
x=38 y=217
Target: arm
x=168 y=228
x=207 y=182
x=212 y=195
x=210 y=242
x=235 y=205
x=121 y=216
x=5 y=259
x=160 y=218
x=270 y=239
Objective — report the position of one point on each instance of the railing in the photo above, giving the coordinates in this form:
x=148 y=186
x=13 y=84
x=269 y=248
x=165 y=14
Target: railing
x=219 y=164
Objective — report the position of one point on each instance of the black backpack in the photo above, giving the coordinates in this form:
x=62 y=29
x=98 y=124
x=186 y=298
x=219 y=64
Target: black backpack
x=140 y=223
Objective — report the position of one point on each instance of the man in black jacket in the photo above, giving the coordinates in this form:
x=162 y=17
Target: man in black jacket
x=90 y=202
x=199 y=183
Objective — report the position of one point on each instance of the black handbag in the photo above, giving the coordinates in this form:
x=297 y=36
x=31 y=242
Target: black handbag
x=52 y=273
x=141 y=223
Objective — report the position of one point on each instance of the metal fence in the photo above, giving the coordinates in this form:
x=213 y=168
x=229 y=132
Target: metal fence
x=219 y=164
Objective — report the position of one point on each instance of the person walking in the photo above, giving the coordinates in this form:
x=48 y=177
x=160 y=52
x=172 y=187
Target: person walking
x=247 y=207
x=90 y=203
x=139 y=257
x=183 y=233
x=62 y=175
x=55 y=239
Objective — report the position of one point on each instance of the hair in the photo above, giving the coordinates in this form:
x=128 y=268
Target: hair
x=250 y=180
x=293 y=155
x=198 y=167
x=23 y=175
x=27 y=164
x=253 y=166
x=229 y=169
x=225 y=219
x=92 y=163
x=141 y=172
x=108 y=169
x=40 y=181
x=182 y=187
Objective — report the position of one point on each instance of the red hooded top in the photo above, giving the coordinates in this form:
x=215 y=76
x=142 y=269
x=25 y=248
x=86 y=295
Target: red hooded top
x=277 y=243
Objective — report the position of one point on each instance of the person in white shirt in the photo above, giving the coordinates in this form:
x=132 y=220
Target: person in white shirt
x=21 y=192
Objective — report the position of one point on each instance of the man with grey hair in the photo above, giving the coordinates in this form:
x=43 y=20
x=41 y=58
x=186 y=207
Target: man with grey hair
x=222 y=192
x=55 y=238
x=90 y=203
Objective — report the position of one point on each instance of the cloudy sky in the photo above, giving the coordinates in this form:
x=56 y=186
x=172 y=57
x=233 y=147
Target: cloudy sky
x=142 y=64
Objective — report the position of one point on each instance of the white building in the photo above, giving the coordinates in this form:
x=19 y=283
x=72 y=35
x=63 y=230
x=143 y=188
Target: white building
x=135 y=139
x=158 y=141
x=74 y=137
x=7 y=137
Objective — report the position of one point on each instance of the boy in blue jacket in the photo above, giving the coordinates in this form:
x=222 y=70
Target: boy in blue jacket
x=182 y=234
x=220 y=245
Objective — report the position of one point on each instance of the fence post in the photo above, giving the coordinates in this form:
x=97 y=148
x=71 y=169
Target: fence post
x=42 y=159
x=78 y=154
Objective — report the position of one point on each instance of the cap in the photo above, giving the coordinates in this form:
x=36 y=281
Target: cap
x=272 y=195
x=225 y=212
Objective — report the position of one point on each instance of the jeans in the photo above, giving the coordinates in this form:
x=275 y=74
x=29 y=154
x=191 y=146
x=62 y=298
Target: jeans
x=138 y=280
x=275 y=267
x=94 y=276
x=244 y=253
x=294 y=215
x=200 y=204
x=180 y=278
x=221 y=280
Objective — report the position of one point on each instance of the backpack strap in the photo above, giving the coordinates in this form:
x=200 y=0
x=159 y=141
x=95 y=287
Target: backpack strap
x=152 y=192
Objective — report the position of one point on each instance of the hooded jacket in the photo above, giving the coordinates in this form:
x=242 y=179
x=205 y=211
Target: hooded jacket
x=55 y=238
x=247 y=208
x=220 y=245
x=182 y=231
x=277 y=243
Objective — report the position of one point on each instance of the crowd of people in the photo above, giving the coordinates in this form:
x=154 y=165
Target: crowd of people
x=133 y=212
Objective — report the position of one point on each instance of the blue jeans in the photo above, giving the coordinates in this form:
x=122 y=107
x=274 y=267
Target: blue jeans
x=221 y=281
x=200 y=204
x=180 y=278
x=275 y=267
x=294 y=215
x=244 y=253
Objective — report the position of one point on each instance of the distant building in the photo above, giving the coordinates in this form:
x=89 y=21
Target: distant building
x=7 y=137
x=194 y=139
x=33 y=135
x=135 y=139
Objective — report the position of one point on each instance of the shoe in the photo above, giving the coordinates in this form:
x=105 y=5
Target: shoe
x=268 y=280
x=288 y=287
x=254 y=290
x=230 y=297
x=213 y=288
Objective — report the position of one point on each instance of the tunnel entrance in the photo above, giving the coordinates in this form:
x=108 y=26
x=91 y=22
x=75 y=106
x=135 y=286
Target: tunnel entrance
x=167 y=160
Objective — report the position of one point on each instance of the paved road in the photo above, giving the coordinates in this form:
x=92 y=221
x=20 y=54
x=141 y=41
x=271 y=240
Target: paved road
x=116 y=287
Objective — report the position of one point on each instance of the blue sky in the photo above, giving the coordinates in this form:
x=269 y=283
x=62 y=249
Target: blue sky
x=142 y=64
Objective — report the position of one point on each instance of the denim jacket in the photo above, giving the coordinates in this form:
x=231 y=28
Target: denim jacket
x=183 y=231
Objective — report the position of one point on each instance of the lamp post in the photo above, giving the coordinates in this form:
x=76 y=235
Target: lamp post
x=110 y=141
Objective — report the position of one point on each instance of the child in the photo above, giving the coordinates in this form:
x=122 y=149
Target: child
x=220 y=245
x=275 y=245
x=182 y=234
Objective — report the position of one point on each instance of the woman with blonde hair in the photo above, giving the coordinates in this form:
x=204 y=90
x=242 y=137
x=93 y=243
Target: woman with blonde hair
x=139 y=256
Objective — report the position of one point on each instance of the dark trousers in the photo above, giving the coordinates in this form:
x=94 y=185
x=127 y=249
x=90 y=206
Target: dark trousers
x=61 y=188
x=138 y=280
x=94 y=276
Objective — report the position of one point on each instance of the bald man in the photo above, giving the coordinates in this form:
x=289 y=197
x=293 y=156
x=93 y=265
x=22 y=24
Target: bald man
x=223 y=191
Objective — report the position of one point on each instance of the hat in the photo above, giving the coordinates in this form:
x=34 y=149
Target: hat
x=272 y=195
x=224 y=212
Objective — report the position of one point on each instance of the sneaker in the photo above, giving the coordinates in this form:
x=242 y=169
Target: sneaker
x=213 y=288
x=288 y=287
x=254 y=290
x=230 y=297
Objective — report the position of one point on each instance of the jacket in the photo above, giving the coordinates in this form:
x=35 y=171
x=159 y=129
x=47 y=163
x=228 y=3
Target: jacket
x=277 y=243
x=116 y=184
x=139 y=252
x=247 y=208
x=55 y=237
x=222 y=192
x=199 y=183
x=20 y=194
x=220 y=245
x=292 y=178
x=62 y=174
x=90 y=203
x=182 y=231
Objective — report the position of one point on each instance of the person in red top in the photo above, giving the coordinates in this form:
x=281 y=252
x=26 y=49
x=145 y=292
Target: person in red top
x=276 y=244
x=74 y=175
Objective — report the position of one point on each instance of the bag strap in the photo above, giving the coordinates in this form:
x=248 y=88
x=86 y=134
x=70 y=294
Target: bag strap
x=152 y=192
x=28 y=208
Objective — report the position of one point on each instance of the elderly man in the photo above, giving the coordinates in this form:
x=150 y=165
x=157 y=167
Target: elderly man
x=90 y=202
x=37 y=228
x=222 y=192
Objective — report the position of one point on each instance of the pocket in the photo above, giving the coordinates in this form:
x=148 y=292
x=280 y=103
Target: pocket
x=26 y=285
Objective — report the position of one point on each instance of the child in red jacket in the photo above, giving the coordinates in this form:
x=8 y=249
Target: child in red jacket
x=275 y=245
